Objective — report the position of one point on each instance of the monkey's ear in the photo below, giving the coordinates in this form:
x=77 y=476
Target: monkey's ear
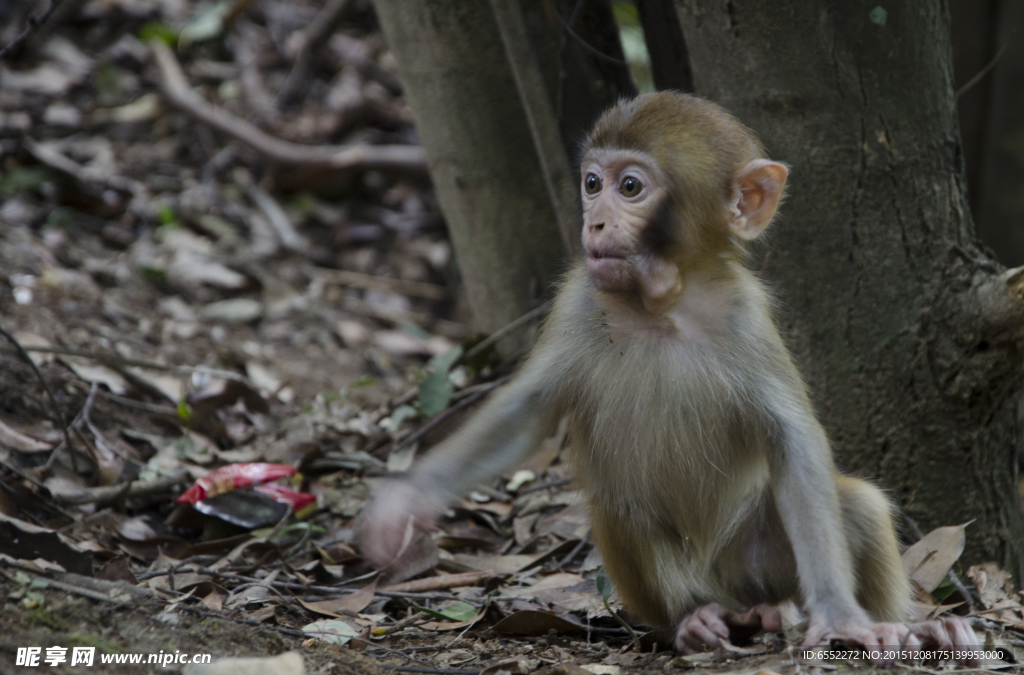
x=757 y=189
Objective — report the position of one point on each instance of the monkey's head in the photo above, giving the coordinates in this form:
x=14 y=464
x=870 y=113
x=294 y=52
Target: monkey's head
x=671 y=183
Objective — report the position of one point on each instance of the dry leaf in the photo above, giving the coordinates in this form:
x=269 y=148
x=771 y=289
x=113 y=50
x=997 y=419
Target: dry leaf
x=928 y=561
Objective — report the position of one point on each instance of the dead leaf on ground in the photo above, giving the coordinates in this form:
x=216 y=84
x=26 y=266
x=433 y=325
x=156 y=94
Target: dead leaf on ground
x=928 y=561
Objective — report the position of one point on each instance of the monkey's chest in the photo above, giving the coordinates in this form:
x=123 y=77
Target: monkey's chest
x=664 y=440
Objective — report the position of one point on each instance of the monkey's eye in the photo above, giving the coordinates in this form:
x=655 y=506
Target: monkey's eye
x=592 y=184
x=631 y=187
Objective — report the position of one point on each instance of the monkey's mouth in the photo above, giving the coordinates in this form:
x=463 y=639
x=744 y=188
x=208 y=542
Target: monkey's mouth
x=606 y=268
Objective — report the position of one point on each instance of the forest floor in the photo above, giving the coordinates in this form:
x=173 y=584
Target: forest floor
x=193 y=296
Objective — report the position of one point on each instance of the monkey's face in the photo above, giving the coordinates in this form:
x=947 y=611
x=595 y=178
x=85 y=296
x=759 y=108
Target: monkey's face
x=622 y=192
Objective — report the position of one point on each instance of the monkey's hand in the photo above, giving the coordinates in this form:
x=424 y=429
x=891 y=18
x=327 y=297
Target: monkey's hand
x=395 y=522
x=713 y=624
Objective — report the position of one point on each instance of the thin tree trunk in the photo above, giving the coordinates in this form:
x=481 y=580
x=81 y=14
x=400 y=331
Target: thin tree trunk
x=483 y=160
x=909 y=334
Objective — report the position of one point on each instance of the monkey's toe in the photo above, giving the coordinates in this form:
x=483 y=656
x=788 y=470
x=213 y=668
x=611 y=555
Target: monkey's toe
x=947 y=633
x=713 y=624
x=703 y=630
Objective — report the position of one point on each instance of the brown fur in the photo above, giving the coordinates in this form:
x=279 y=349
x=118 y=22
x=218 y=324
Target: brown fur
x=708 y=476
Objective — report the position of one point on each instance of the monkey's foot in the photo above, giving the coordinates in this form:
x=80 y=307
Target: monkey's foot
x=947 y=633
x=711 y=625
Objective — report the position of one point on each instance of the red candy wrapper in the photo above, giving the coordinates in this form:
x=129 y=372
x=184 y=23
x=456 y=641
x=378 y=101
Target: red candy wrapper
x=234 y=476
x=300 y=501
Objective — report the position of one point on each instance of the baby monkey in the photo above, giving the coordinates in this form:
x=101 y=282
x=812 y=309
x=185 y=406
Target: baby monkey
x=711 y=486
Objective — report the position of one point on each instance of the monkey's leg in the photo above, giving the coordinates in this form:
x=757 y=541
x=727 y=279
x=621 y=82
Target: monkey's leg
x=883 y=588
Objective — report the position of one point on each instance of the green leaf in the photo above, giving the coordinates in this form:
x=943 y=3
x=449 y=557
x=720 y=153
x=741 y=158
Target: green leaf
x=943 y=590
x=167 y=216
x=154 y=30
x=604 y=585
x=435 y=390
x=22 y=179
x=364 y=381
x=444 y=362
x=184 y=413
x=414 y=330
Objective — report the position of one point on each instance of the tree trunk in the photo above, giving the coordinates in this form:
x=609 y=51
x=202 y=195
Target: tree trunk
x=908 y=333
x=1000 y=206
x=475 y=131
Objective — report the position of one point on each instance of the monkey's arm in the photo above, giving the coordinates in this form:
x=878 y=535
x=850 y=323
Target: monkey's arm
x=806 y=496
x=498 y=437
x=510 y=426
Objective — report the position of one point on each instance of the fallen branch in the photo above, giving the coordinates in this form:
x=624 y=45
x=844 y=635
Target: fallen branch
x=109 y=493
x=414 y=289
x=309 y=39
x=393 y=158
x=55 y=160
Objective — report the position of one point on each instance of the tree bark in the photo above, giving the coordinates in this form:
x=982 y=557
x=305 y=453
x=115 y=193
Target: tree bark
x=474 y=129
x=908 y=333
x=670 y=64
x=1000 y=206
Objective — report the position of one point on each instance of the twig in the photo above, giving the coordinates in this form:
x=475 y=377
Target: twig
x=309 y=40
x=574 y=552
x=597 y=53
x=537 y=488
x=236 y=552
x=331 y=592
x=442 y=416
x=981 y=73
x=399 y=316
x=558 y=175
x=279 y=220
x=505 y=330
x=415 y=289
x=162 y=410
x=32 y=23
x=111 y=492
x=398 y=158
x=53 y=399
x=429 y=671
x=407 y=621
x=439 y=583
x=78 y=590
x=114 y=359
x=55 y=160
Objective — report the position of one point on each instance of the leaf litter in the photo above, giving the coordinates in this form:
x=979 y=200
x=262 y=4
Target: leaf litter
x=203 y=309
